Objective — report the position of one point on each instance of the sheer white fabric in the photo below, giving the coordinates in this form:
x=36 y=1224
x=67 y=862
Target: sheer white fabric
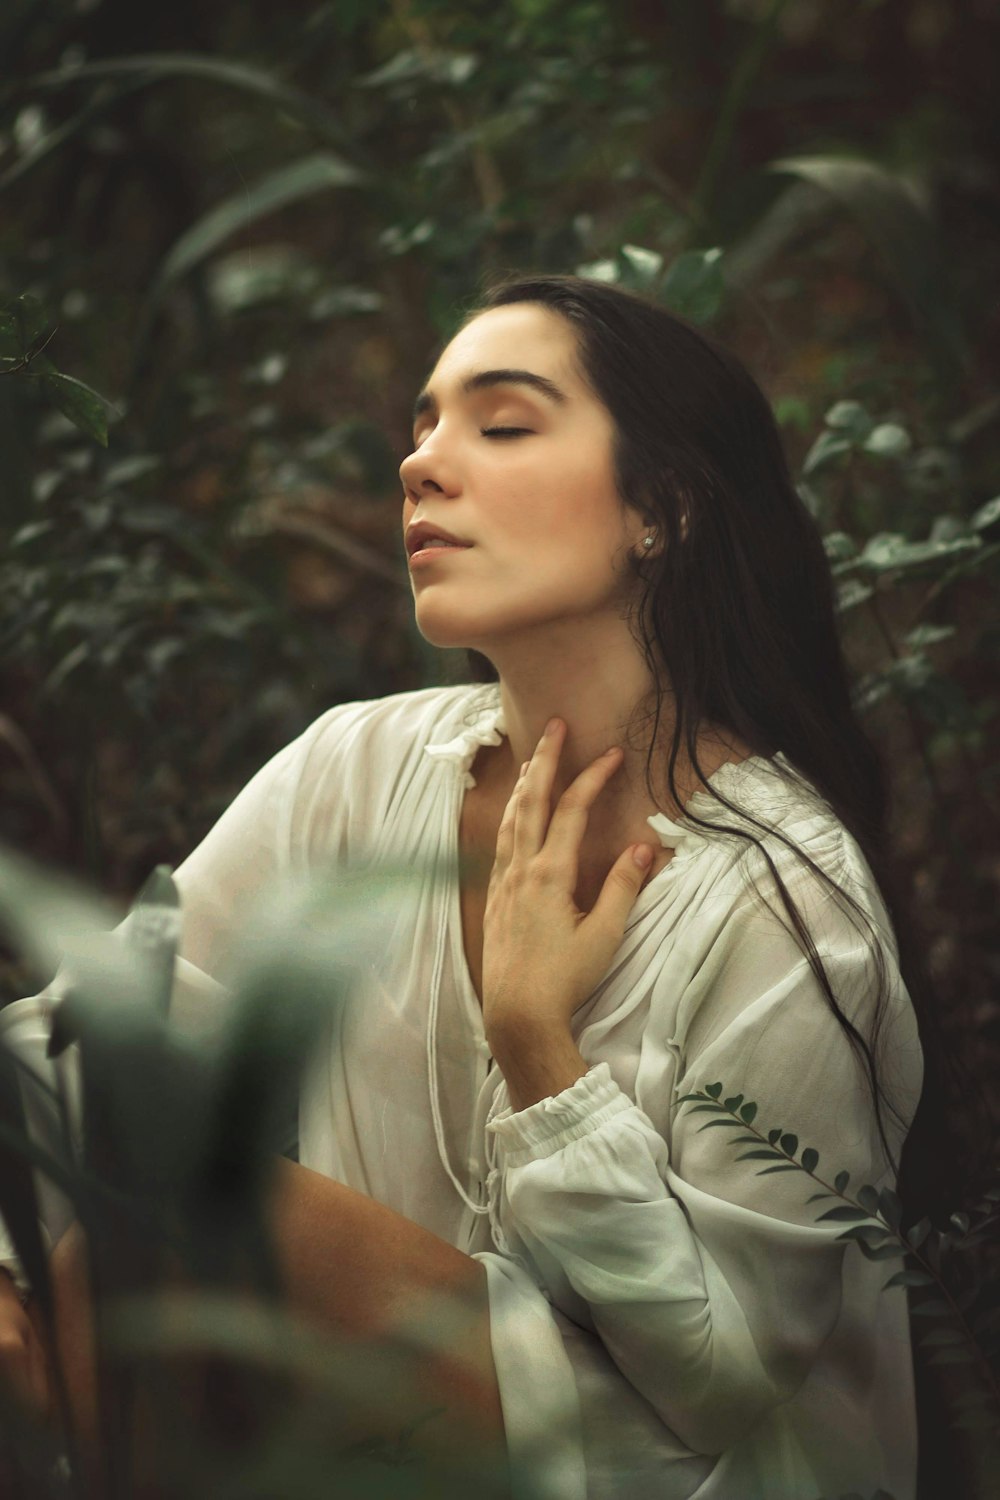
x=664 y=1320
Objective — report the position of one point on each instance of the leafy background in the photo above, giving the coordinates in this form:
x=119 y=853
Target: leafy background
x=231 y=239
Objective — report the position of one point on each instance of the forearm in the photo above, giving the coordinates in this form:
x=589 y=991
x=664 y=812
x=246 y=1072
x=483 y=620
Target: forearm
x=537 y=1063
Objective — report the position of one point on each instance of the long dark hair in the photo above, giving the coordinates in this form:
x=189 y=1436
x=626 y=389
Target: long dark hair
x=749 y=595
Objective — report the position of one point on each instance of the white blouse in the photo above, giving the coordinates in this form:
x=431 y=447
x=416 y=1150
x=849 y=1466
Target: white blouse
x=665 y=1322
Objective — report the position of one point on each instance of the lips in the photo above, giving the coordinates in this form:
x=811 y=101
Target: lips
x=422 y=536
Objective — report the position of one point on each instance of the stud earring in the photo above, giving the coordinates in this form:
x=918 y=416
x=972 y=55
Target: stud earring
x=647 y=541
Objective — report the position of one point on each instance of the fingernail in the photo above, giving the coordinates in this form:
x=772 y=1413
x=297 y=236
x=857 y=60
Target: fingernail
x=551 y=726
x=643 y=855
x=527 y=763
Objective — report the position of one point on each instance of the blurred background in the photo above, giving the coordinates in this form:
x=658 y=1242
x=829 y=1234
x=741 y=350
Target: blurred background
x=232 y=240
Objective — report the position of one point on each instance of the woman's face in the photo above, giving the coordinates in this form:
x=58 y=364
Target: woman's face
x=540 y=509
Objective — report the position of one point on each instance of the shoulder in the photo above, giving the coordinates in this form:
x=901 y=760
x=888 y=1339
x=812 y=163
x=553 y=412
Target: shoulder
x=785 y=839
x=386 y=728
x=363 y=754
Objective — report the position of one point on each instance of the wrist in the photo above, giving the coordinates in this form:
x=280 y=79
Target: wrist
x=520 y=1034
x=537 y=1061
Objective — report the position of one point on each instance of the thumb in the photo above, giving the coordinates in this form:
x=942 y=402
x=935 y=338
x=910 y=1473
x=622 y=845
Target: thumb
x=624 y=881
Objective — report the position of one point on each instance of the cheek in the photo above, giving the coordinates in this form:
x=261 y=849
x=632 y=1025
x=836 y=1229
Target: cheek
x=560 y=502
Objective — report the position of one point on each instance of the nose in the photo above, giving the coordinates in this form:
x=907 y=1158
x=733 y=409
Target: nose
x=415 y=477
x=426 y=473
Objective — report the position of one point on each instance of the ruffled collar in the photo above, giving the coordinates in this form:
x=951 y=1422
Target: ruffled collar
x=752 y=785
x=481 y=713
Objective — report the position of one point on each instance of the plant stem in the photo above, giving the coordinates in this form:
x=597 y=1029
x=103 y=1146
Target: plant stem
x=989 y=1375
x=32 y=354
x=732 y=104
x=960 y=853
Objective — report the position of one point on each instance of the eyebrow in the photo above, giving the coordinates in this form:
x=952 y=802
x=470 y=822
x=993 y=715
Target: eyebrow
x=482 y=379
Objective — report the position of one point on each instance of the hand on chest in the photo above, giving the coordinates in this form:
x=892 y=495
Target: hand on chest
x=481 y=815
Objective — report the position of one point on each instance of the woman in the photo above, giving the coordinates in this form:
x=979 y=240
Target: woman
x=632 y=571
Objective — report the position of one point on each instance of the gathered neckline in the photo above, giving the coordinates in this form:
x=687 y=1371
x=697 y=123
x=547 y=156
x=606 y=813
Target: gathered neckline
x=752 y=781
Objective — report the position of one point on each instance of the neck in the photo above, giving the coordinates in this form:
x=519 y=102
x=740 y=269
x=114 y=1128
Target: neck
x=596 y=694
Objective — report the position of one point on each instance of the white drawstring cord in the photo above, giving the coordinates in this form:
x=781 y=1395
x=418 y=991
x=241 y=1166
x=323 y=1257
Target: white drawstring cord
x=432 y=1073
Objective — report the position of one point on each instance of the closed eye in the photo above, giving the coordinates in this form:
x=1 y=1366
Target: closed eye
x=504 y=432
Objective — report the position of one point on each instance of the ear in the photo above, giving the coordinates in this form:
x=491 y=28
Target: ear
x=650 y=528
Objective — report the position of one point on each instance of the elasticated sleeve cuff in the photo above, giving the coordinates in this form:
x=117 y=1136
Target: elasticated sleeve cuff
x=546 y=1126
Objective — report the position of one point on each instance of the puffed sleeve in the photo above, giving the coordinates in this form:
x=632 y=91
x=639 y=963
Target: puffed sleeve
x=712 y=1288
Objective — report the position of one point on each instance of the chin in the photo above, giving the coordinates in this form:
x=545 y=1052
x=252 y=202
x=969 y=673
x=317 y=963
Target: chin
x=445 y=632
x=445 y=623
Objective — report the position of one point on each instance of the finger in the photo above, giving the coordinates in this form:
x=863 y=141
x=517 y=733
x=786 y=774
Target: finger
x=569 y=820
x=534 y=793
x=622 y=886
x=505 y=832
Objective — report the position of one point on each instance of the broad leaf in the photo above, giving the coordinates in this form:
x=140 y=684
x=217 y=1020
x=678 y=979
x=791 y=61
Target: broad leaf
x=288 y=184
x=693 y=287
x=151 y=67
x=890 y=213
x=85 y=407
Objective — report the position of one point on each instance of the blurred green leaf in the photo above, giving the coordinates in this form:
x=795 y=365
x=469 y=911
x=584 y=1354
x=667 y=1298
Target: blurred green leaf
x=641 y=267
x=288 y=184
x=851 y=418
x=23 y=322
x=84 y=407
x=827 y=447
x=101 y=101
x=599 y=270
x=891 y=215
x=986 y=515
x=42 y=912
x=693 y=286
x=156 y=66
x=887 y=551
x=888 y=440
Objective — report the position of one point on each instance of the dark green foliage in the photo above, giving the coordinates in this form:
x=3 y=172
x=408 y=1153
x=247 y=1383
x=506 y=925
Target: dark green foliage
x=232 y=238
x=169 y=1173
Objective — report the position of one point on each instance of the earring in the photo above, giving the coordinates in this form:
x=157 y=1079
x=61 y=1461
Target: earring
x=648 y=541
